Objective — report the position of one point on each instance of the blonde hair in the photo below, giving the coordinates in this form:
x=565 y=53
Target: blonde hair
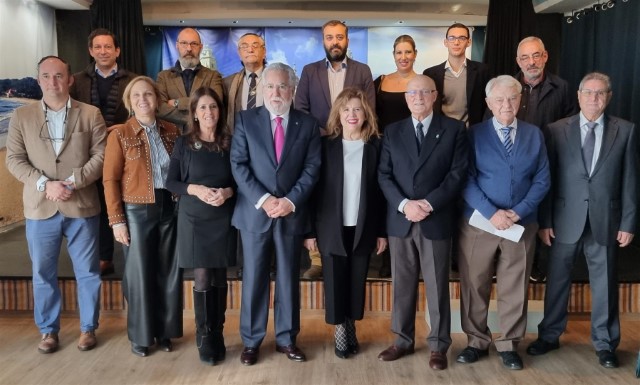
x=126 y=95
x=369 y=127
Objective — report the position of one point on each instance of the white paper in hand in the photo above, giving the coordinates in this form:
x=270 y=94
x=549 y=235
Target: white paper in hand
x=513 y=233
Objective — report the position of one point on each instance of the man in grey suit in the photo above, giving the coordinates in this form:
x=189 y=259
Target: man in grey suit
x=423 y=168
x=320 y=84
x=275 y=160
x=591 y=208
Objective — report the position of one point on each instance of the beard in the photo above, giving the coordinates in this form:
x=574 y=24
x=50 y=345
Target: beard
x=189 y=61
x=277 y=108
x=337 y=57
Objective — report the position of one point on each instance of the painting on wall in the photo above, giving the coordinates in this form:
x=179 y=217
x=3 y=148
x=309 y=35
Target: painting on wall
x=13 y=94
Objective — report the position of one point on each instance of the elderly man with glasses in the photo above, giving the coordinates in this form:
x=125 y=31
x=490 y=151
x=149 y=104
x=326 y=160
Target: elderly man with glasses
x=177 y=83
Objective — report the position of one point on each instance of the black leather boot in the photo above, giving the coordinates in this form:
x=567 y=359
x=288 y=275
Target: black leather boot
x=204 y=308
x=218 y=316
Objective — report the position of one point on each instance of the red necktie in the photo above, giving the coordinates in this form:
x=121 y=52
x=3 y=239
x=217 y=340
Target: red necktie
x=278 y=138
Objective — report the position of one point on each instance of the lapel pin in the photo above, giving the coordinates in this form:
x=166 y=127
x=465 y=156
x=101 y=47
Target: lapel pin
x=438 y=136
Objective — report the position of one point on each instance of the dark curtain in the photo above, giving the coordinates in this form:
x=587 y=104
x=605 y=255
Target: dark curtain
x=124 y=19
x=607 y=41
x=477 y=43
x=508 y=22
x=153 y=40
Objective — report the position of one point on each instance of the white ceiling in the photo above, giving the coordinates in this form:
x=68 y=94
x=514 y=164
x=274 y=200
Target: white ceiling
x=309 y=13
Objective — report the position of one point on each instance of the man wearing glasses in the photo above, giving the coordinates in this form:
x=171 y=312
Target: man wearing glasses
x=423 y=167
x=460 y=82
x=177 y=83
x=56 y=148
x=545 y=99
x=102 y=84
x=592 y=208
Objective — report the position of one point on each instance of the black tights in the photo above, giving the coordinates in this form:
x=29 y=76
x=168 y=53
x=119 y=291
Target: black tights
x=205 y=278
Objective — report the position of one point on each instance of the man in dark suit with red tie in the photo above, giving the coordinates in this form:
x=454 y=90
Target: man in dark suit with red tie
x=275 y=160
x=423 y=168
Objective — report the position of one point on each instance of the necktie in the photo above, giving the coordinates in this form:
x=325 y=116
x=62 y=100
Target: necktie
x=278 y=138
x=419 y=135
x=508 y=144
x=589 y=145
x=188 y=80
x=251 y=98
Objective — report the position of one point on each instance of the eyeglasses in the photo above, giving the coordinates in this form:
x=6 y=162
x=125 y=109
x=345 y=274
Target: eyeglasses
x=414 y=93
x=245 y=46
x=510 y=99
x=281 y=87
x=598 y=93
x=186 y=44
x=461 y=39
x=45 y=134
x=535 y=56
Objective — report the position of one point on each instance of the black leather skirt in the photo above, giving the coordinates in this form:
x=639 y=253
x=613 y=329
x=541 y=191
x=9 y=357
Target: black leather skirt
x=152 y=281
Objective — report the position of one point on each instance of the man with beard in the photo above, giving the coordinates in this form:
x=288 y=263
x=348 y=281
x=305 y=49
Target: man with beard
x=177 y=83
x=275 y=160
x=320 y=84
x=102 y=84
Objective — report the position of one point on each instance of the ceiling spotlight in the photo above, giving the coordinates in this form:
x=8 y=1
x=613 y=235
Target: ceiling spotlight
x=400 y=21
x=610 y=4
x=597 y=7
x=181 y=21
x=235 y=22
x=569 y=19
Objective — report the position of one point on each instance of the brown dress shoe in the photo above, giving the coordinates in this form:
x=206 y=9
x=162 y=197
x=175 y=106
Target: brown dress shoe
x=48 y=343
x=87 y=341
x=293 y=353
x=438 y=361
x=394 y=352
x=314 y=272
x=249 y=356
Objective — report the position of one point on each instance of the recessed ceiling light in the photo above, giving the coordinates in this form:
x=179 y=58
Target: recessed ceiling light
x=400 y=21
x=290 y=22
x=235 y=22
x=181 y=21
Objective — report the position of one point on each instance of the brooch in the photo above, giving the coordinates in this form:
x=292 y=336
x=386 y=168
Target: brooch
x=197 y=145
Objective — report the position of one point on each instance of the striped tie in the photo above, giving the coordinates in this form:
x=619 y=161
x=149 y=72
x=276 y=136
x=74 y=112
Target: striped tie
x=508 y=144
x=251 y=98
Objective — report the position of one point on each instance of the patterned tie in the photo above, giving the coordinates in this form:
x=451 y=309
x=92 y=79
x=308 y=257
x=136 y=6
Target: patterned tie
x=251 y=98
x=278 y=138
x=419 y=135
x=508 y=144
x=589 y=146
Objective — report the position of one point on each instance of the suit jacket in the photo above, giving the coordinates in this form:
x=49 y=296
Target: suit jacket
x=328 y=201
x=496 y=181
x=477 y=78
x=607 y=198
x=313 y=95
x=233 y=95
x=437 y=173
x=81 y=89
x=171 y=86
x=254 y=167
x=82 y=154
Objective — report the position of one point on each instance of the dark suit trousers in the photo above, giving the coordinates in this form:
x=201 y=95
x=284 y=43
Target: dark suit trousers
x=601 y=261
x=106 y=240
x=409 y=255
x=254 y=310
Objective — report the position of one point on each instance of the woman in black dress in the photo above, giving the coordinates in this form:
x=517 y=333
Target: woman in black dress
x=200 y=172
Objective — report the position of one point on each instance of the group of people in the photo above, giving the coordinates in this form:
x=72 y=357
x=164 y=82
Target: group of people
x=415 y=167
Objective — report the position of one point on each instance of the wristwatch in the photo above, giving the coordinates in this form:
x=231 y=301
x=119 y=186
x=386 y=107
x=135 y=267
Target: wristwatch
x=175 y=102
x=42 y=186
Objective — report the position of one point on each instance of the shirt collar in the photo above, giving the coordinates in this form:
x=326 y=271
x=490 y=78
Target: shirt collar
x=497 y=125
x=258 y=74
x=426 y=122
x=46 y=108
x=112 y=71
x=447 y=65
x=584 y=120
x=284 y=116
x=328 y=63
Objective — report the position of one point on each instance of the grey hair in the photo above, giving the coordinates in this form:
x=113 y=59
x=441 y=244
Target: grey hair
x=531 y=39
x=502 y=80
x=596 y=76
x=281 y=67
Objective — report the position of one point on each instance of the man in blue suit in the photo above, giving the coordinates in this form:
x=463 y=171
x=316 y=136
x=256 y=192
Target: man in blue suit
x=320 y=84
x=592 y=208
x=275 y=160
x=508 y=178
x=423 y=167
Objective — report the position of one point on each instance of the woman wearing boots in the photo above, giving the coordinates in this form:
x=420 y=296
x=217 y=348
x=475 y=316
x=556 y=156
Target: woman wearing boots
x=200 y=172
x=348 y=213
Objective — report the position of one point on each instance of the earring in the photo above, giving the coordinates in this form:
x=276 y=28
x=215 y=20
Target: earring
x=196 y=118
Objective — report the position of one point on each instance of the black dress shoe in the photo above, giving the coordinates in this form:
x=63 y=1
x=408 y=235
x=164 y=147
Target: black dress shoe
x=470 y=355
x=249 y=356
x=353 y=349
x=540 y=347
x=138 y=350
x=341 y=353
x=607 y=359
x=164 y=344
x=293 y=352
x=239 y=273
x=511 y=360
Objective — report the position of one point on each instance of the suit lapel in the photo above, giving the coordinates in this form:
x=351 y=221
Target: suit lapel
x=431 y=140
x=471 y=81
x=323 y=78
x=408 y=135
x=573 y=140
x=266 y=136
x=72 y=120
x=368 y=159
x=291 y=134
x=179 y=85
x=609 y=133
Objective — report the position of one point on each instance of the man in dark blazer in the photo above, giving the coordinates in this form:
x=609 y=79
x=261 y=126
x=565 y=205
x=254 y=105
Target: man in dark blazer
x=460 y=82
x=423 y=167
x=275 y=160
x=591 y=208
x=102 y=84
x=320 y=84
